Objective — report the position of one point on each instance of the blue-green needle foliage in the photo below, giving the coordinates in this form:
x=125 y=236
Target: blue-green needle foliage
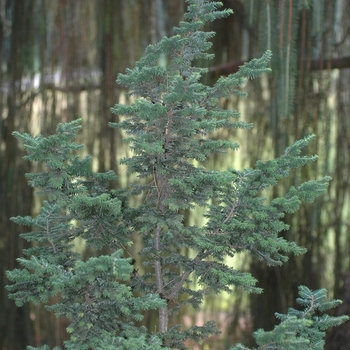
x=169 y=127
x=304 y=329
x=92 y=293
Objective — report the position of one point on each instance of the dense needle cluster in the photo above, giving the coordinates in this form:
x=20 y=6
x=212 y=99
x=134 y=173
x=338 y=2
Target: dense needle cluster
x=168 y=126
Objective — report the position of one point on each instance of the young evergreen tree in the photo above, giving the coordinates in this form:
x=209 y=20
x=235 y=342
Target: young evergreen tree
x=168 y=127
x=302 y=330
x=93 y=293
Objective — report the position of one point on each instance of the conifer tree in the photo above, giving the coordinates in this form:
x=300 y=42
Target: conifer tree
x=301 y=329
x=93 y=293
x=168 y=127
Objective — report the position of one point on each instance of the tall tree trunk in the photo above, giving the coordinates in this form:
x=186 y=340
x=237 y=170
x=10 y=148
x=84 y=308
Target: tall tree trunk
x=15 y=195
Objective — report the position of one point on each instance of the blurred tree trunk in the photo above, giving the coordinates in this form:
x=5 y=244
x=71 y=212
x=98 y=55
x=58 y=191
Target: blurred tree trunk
x=15 y=195
x=339 y=337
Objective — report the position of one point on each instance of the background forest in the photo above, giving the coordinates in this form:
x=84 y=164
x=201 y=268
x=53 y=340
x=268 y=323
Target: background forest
x=59 y=62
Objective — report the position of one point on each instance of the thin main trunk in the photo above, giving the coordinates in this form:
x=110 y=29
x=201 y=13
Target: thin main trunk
x=163 y=312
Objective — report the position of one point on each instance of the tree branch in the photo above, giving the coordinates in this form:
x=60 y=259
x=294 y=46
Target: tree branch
x=316 y=64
